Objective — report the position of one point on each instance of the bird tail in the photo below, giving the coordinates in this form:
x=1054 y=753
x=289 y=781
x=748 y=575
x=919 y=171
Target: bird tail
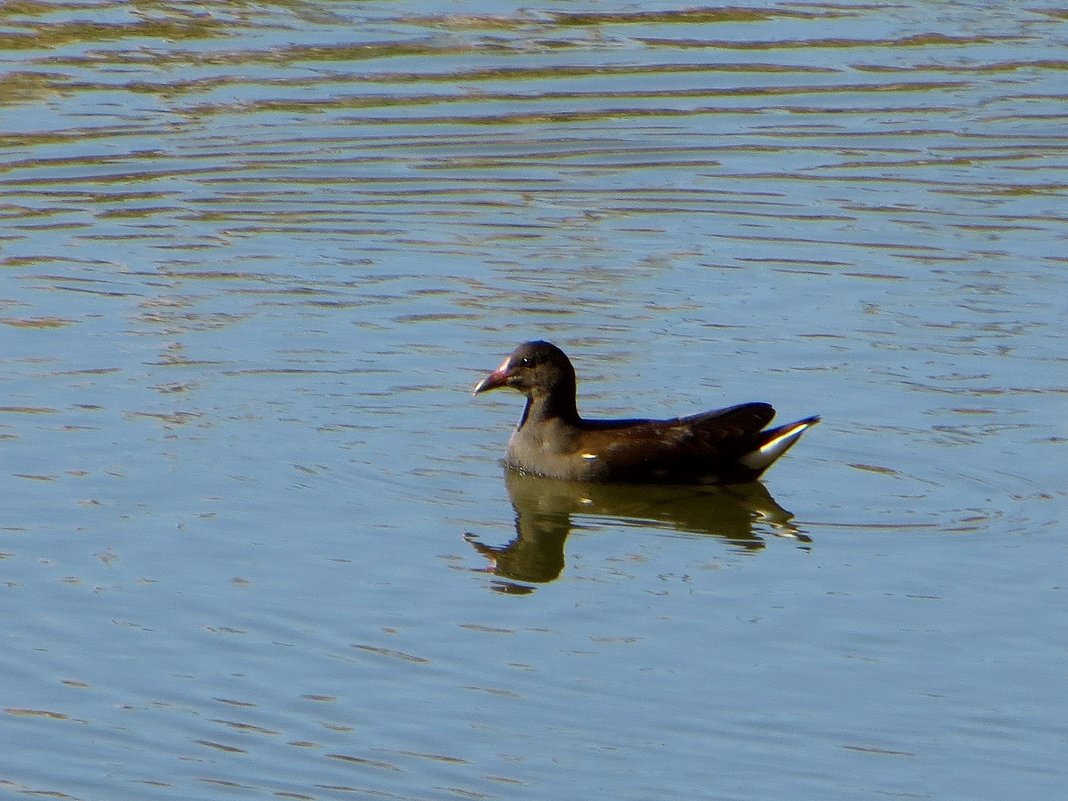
x=774 y=443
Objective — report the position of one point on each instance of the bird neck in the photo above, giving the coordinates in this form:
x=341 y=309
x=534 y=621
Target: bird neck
x=556 y=404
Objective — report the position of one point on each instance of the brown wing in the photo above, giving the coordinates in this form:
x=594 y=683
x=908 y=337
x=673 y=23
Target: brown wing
x=680 y=449
x=741 y=421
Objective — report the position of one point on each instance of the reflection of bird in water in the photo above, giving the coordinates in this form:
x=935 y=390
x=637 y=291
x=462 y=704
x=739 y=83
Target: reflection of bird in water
x=545 y=509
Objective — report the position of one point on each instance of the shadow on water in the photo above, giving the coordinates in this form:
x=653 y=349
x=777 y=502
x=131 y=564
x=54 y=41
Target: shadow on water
x=548 y=510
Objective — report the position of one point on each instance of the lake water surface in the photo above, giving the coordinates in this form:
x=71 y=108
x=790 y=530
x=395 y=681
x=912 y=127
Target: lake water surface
x=255 y=537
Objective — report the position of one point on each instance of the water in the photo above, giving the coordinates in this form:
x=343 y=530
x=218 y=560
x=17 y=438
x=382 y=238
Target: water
x=256 y=540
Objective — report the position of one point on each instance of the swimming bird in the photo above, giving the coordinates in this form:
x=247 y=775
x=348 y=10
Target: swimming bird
x=723 y=446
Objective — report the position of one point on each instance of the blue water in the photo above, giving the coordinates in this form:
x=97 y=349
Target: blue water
x=256 y=540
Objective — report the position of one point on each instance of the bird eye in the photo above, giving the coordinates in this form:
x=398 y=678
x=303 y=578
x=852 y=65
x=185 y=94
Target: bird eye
x=526 y=361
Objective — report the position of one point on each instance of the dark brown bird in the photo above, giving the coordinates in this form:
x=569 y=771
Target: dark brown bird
x=724 y=446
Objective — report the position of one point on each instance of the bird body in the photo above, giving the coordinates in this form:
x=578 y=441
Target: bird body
x=722 y=446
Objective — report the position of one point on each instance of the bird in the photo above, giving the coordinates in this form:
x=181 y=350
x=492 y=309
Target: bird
x=722 y=446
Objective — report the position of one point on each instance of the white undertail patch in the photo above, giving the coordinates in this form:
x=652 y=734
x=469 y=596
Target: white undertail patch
x=774 y=448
